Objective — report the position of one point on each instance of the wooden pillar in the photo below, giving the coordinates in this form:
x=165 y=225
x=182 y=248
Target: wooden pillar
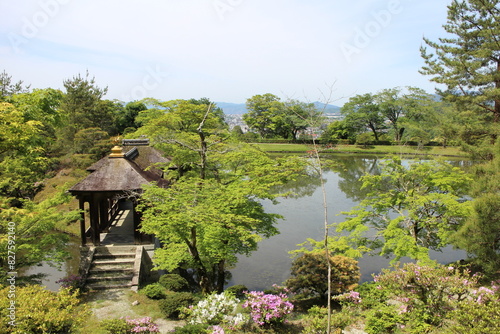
x=94 y=220
x=103 y=214
x=82 y=221
x=136 y=217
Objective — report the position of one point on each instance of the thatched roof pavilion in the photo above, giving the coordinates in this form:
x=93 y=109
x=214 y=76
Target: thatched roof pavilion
x=116 y=177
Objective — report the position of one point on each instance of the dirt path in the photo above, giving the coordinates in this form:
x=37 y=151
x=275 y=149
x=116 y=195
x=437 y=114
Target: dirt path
x=115 y=303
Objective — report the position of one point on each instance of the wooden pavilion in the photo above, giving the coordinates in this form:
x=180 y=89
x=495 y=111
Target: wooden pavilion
x=113 y=180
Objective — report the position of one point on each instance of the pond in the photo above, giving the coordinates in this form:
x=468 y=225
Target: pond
x=303 y=217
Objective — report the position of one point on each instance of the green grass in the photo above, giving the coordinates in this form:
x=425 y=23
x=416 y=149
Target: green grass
x=378 y=149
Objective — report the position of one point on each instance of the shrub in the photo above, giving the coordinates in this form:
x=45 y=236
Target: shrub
x=215 y=309
x=39 y=310
x=192 y=329
x=382 y=320
x=309 y=274
x=426 y=293
x=237 y=290
x=316 y=321
x=174 y=302
x=268 y=309
x=174 y=282
x=154 y=291
x=115 y=326
x=142 y=325
x=129 y=326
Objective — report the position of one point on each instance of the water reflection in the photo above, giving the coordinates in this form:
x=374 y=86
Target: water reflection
x=52 y=274
x=303 y=218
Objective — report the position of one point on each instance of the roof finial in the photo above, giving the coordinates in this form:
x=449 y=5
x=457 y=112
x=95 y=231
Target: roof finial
x=116 y=152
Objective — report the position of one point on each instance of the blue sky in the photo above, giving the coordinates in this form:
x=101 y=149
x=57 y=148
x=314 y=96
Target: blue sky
x=226 y=50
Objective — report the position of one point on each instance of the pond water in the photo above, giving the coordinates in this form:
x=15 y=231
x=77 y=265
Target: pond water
x=303 y=217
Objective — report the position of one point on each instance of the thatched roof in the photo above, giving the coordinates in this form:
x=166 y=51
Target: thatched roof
x=121 y=172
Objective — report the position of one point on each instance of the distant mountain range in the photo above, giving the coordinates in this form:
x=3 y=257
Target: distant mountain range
x=240 y=108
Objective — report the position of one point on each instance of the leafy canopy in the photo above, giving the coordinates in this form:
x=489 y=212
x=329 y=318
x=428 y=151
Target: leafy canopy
x=408 y=209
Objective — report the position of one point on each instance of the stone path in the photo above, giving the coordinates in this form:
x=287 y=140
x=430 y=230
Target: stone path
x=115 y=303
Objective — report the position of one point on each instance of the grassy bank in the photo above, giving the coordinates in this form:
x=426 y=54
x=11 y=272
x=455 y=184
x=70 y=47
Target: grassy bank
x=393 y=149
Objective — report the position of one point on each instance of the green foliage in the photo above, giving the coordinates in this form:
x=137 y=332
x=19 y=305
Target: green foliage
x=271 y=117
x=309 y=274
x=316 y=321
x=9 y=88
x=472 y=318
x=411 y=209
x=191 y=329
x=154 y=291
x=237 y=290
x=81 y=108
x=480 y=235
x=115 y=326
x=466 y=61
x=337 y=131
x=174 y=302
x=425 y=294
x=174 y=282
x=33 y=226
x=92 y=141
x=362 y=112
x=382 y=320
x=371 y=295
x=41 y=311
x=126 y=117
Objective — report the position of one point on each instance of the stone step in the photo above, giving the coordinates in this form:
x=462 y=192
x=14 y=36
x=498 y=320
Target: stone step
x=113 y=262
x=115 y=249
x=99 y=270
x=108 y=279
x=96 y=286
x=114 y=256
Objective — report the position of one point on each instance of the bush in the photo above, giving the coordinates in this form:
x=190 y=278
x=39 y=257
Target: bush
x=174 y=302
x=215 y=309
x=382 y=320
x=39 y=310
x=192 y=329
x=174 y=282
x=154 y=291
x=426 y=293
x=268 y=309
x=237 y=290
x=309 y=274
x=316 y=321
x=129 y=326
x=115 y=326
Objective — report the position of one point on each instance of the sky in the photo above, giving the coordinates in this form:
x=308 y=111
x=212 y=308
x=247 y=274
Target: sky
x=225 y=50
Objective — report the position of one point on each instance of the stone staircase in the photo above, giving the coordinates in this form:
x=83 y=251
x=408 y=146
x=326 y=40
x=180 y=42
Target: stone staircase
x=112 y=267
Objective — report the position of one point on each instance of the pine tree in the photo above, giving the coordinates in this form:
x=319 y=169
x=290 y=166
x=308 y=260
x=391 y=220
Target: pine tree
x=467 y=62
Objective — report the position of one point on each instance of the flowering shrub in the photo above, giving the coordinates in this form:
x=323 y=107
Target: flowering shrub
x=130 y=326
x=429 y=291
x=268 y=309
x=349 y=297
x=215 y=309
x=142 y=325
